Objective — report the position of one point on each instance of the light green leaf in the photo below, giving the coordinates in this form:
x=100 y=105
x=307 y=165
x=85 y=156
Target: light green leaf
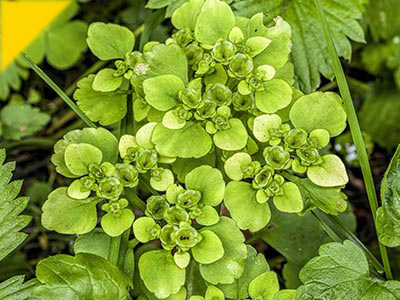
x=208 y=216
x=183 y=166
x=330 y=173
x=255 y=265
x=213 y=293
x=232 y=139
x=323 y=111
x=309 y=53
x=14 y=288
x=115 y=225
x=162 y=91
x=285 y=295
x=190 y=141
x=263 y=124
x=110 y=41
x=77 y=191
x=214 y=22
x=388 y=216
x=167 y=60
x=257 y=44
x=209 y=249
x=105 y=81
x=163 y=180
x=209 y=182
x=241 y=202
x=234 y=165
x=67 y=215
x=143 y=136
x=277 y=95
x=277 y=53
x=11 y=78
x=160 y=274
x=80 y=277
x=186 y=15
x=264 y=286
x=11 y=222
x=231 y=265
x=95 y=242
x=218 y=76
x=291 y=201
x=66 y=44
x=329 y=199
x=105 y=108
x=19 y=121
x=78 y=157
x=142 y=227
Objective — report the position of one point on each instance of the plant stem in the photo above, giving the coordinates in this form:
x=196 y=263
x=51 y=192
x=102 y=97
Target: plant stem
x=326 y=227
x=58 y=90
x=113 y=251
x=354 y=129
x=152 y=22
x=134 y=199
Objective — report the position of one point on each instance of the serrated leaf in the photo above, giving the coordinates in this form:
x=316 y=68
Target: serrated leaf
x=105 y=108
x=388 y=216
x=341 y=272
x=19 y=121
x=11 y=78
x=80 y=277
x=15 y=289
x=11 y=222
x=309 y=53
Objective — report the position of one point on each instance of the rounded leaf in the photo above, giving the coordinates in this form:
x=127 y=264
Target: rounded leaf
x=190 y=141
x=172 y=121
x=185 y=16
x=277 y=95
x=142 y=227
x=162 y=181
x=105 y=81
x=209 y=182
x=291 y=201
x=262 y=124
x=214 y=22
x=257 y=44
x=144 y=134
x=110 y=41
x=160 y=274
x=209 y=249
x=76 y=190
x=208 y=216
x=241 y=202
x=78 y=157
x=69 y=216
x=214 y=293
x=234 y=164
x=182 y=260
x=323 y=111
x=232 y=139
x=115 y=225
x=331 y=172
x=264 y=286
x=162 y=92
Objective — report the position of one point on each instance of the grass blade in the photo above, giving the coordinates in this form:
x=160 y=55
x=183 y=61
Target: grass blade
x=354 y=129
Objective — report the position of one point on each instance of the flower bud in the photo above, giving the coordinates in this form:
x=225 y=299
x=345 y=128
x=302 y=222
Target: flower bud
x=220 y=94
x=223 y=51
x=242 y=102
x=194 y=53
x=146 y=160
x=263 y=178
x=189 y=198
x=110 y=188
x=308 y=156
x=191 y=97
x=175 y=215
x=277 y=157
x=127 y=174
x=275 y=187
x=207 y=110
x=87 y=183
x=186 y=237
x=96 y=172
x=241 y=65
x=167 y=237
x=183 y=37
x=156 y=207
x=296 y=138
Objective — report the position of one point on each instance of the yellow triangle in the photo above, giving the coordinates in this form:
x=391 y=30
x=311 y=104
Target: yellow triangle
x=22 y=21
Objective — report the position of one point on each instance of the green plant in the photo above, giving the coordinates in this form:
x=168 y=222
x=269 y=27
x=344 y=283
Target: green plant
x=206 y=125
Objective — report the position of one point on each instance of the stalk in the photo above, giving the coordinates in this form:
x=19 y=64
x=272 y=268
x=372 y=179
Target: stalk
x=354 y=129
x=58 y=90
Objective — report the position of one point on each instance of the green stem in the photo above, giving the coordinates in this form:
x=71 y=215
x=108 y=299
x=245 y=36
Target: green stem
x=326 y=227
x=123 y=248
x=113 y=251
x=134 y=199
x=58 y=90
x=133 y=243
x=355 y=129
x=152 y=22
